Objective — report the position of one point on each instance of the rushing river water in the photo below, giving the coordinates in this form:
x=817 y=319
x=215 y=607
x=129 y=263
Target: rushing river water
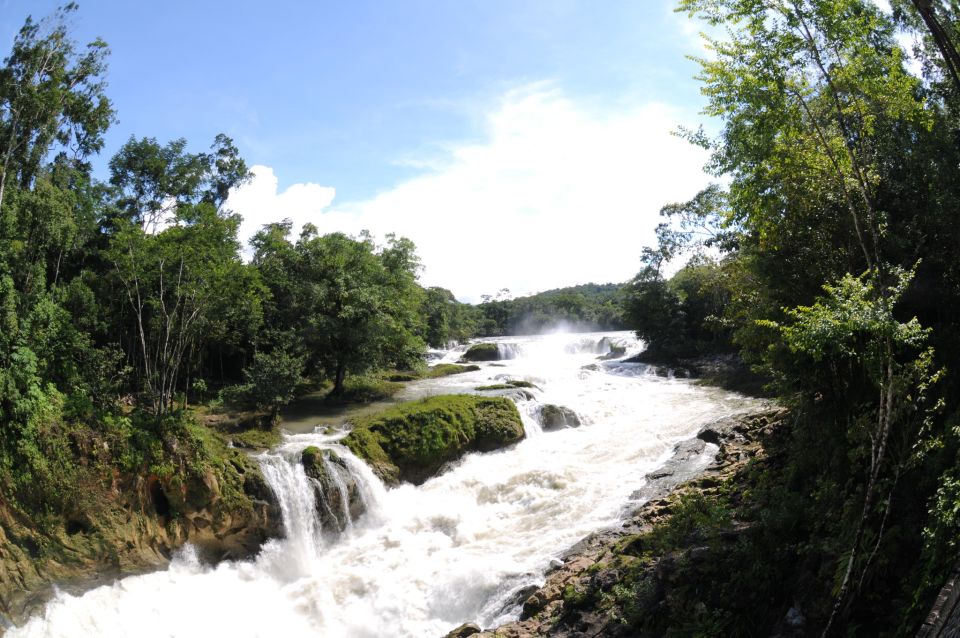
x=425 y=559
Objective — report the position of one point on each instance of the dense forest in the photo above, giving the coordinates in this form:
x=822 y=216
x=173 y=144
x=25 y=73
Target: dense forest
x=827 y=255
x=575 y=308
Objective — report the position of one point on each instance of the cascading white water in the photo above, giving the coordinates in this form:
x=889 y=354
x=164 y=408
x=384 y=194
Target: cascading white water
x=422 y=560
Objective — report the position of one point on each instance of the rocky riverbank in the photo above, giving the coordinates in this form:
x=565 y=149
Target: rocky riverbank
x=578 y=597
x=726 y=371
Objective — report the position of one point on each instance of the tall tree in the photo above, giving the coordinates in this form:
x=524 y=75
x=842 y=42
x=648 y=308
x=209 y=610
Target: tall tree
x=174 y=253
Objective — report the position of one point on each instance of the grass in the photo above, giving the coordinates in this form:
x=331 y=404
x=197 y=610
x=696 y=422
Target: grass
x=365 y=389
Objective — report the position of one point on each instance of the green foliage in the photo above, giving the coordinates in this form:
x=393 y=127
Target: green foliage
x=412 y=441
x=581 y=308
x=273 y=379
x=175 y=280
x=446 y=320
x=682 y=316
x=365 y=389
x=353 y=303
x=835 y=161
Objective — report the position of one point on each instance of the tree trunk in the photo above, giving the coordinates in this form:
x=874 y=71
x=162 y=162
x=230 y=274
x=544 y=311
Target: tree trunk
x=951 y=58
x=338 y=380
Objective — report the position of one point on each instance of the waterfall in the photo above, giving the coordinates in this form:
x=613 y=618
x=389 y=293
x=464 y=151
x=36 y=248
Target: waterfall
x=289 y=482
x=506 y=350
x=420 y=560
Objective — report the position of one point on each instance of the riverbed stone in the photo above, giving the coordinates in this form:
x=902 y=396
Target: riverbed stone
x=555 y=417
x=336 y=491
x=464 y=630
x=482 y=352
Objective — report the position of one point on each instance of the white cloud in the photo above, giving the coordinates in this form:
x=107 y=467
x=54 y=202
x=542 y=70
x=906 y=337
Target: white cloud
x=260 y=202
x=557 y=194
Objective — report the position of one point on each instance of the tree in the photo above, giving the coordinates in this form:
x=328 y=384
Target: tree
x=354 y=306
x=49 y=96
x=841 y=170
x=53 y=114
x=358 y=306
x=173 y=278
x=273 y=378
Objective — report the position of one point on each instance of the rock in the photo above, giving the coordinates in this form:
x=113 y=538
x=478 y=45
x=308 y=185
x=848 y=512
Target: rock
x=482 y=352
x=534 y=605
x=606 y=579
x=464 y=630
x=659 y=474
x=336 y=491
x=613 y=351
x=413 y=441
x=554 y=417
x=127 y=525
x=709 y=435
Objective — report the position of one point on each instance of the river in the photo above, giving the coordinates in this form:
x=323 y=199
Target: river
x=422 y=560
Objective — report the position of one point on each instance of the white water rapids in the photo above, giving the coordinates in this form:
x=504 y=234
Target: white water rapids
x=425 y=559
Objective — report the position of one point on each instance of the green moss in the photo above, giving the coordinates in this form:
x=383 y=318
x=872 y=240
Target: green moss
x=446 y=369
x=412 y=441
x=433 y=372
x=311 y=456
x=257 y=438
x=402 y=377
x=506 y=385
x=365 y=389
x=482 y=352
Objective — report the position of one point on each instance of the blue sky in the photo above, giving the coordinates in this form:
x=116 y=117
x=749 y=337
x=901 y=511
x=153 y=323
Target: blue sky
x=350 y=108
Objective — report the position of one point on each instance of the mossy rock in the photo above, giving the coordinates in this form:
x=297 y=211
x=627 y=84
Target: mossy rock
x=506 y=385
x=336 y=491
x=482 y=352
x=433 y=372
x=413 y=441
x=447 y=369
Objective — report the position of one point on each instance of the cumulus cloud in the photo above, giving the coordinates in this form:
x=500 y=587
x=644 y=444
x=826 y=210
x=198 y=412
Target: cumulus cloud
x=260 y=202
x=558 y=193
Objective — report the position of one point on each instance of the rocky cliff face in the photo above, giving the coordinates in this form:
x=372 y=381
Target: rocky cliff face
x=126 y=523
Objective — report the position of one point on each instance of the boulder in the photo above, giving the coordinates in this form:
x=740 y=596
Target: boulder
x=482 y=352
x=336 y=491
x=554 y=417
x=464 y=630
x=413 y=441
